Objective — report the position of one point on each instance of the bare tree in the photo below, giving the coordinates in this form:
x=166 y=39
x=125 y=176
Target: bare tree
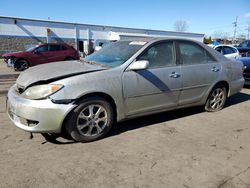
x=221 y=35
x=181 y=26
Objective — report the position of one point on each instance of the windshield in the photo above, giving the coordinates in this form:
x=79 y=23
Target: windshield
x=244 y=44
x=115 y=54
x=31 y=47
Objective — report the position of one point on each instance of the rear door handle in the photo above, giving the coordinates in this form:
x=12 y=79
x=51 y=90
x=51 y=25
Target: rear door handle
x=215 y=69
x=174 y=75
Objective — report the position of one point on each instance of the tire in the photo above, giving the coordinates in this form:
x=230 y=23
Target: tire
x=216 y=99
x=90 y=120
x=21 y=65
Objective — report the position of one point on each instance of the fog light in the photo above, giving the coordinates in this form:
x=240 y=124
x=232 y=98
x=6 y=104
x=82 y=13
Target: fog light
x=32 y=123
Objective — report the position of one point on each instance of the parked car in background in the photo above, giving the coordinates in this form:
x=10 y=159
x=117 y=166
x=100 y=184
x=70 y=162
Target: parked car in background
x=228 y=51
x=244 y=48
x=123 y=80
x=246 y=73
x=40 y=54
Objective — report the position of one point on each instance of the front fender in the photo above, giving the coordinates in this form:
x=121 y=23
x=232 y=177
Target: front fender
x=106 y=82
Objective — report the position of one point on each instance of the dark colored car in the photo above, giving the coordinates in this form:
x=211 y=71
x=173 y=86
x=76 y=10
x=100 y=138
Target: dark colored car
x=246 y=73
x=244 y=48
x=44 y=53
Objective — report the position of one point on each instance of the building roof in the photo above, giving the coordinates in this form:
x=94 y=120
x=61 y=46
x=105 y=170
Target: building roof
x=102 y=26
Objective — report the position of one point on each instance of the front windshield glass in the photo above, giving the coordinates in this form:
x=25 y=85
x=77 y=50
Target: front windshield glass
x=115 y=54
x=30 y=48
x=244 y=44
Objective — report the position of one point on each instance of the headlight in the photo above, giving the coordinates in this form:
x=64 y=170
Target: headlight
x=41 y=91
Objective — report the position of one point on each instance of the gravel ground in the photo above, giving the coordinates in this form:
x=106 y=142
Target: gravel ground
x=184 y=148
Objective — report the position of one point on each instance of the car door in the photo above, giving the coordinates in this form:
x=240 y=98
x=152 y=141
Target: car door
x=40 y=55
x=158 y=86
x=199 y=71
x=56 y=53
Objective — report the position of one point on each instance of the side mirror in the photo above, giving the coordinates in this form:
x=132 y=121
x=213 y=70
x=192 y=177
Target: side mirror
x=139 y=65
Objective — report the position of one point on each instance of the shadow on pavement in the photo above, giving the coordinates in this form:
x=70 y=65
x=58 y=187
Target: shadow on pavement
x=151 y=120
x=236 y=99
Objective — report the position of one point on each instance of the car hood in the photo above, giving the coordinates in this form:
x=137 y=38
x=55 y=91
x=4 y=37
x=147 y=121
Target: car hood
x=42 y=74
x=15 y=54
x=243 y=49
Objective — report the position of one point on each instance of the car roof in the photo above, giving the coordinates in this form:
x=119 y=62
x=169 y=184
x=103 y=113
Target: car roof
x=224 y=45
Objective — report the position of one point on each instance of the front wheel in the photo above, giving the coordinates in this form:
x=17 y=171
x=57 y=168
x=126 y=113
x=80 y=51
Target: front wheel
x=90 y=120
x=216 y=99
x=21 y=65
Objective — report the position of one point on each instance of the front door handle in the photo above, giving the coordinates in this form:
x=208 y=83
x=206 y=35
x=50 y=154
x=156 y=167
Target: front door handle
x=215 y=69
x=174 y=75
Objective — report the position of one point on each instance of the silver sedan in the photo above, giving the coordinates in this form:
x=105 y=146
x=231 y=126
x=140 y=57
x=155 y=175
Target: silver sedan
x=124 y=80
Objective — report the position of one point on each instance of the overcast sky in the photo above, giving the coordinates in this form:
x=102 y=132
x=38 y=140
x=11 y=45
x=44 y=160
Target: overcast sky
x=202 y=16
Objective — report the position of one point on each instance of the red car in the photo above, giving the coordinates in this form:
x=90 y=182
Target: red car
x=44 y=53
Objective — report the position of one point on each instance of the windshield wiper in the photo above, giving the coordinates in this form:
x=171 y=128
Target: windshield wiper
x=94 y=63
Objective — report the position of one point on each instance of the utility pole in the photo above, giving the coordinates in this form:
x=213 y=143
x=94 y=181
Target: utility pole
x=248 y=30
x=235 y=28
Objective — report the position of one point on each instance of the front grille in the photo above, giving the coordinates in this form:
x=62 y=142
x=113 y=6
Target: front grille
x=246 y=75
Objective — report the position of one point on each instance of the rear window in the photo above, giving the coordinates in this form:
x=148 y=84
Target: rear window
x=229 y=50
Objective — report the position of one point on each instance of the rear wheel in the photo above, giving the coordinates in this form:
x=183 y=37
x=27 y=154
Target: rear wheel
x=91 y=120
x=216 y=99
x=21 y=65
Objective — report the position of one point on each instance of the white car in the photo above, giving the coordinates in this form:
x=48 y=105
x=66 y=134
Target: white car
x=228 y=51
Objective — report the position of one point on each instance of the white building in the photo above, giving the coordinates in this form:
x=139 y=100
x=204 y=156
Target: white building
x=19 y=33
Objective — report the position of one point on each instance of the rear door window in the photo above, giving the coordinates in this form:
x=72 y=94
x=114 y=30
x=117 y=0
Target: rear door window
x=192 y=53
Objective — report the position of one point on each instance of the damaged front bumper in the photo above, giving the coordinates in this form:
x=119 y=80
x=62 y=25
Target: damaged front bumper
x=37 y=116
x=9 y=61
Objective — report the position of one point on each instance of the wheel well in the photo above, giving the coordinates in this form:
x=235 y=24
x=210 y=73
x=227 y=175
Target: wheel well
x=68 y=57
x=224 y=83
x=105 y=96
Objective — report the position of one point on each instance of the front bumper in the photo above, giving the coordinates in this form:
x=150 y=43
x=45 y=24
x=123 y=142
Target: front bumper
x=9 y=61
x=37 y=116
x=247 y=78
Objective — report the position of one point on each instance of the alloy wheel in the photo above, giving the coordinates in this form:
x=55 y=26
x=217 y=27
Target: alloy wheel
x=217 y=98
x=92 y=120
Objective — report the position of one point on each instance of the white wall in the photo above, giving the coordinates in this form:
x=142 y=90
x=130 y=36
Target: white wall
x=38 y=28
